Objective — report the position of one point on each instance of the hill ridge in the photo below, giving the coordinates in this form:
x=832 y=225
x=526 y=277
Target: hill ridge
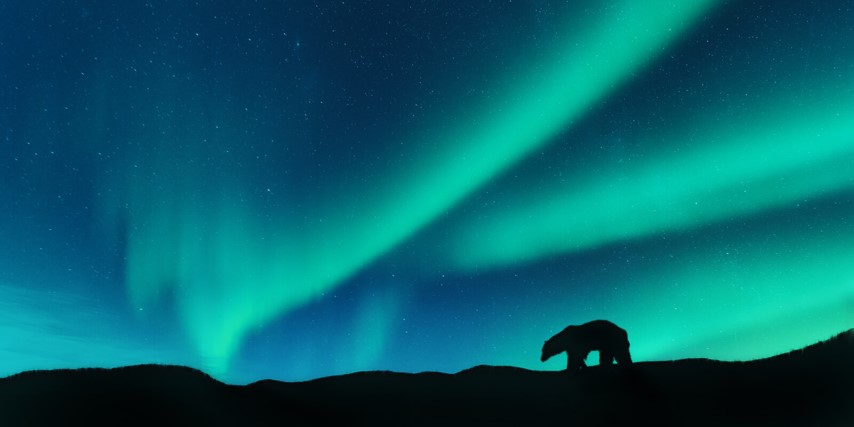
x=809 y=386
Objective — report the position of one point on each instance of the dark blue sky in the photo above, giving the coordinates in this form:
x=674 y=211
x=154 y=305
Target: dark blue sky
x=287 y=190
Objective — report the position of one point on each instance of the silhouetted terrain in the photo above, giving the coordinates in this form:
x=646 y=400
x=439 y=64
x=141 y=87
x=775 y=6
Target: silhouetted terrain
x=813 y=386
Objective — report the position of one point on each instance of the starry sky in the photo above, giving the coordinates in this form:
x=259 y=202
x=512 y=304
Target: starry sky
x=296 y=189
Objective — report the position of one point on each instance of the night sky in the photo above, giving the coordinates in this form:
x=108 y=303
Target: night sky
x=296 y=189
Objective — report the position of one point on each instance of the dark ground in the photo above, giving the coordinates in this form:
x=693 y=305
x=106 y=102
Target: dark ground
x=812 y=386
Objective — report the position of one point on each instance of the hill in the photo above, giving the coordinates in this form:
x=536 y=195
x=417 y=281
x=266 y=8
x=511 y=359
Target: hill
x=811 y=386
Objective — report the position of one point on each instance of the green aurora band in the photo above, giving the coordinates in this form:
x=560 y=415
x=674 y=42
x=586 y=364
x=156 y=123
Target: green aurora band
x=782 y=160
x=775 y=301
x=743 y=169
x=228 y=272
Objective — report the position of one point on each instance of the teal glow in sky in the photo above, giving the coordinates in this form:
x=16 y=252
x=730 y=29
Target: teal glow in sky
x=230 y=280
x=289 y=191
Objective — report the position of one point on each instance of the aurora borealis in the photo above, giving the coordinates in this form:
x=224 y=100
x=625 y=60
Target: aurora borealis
x=289 y=190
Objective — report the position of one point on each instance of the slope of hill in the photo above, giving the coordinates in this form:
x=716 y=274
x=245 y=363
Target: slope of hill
x=812 y=386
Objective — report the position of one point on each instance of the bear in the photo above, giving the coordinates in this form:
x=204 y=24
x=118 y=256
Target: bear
x=578 y=341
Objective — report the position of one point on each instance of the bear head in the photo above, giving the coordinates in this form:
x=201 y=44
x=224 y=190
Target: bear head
x=551 y=348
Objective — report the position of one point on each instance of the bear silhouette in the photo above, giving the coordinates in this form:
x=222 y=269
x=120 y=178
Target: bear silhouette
x=578 y=341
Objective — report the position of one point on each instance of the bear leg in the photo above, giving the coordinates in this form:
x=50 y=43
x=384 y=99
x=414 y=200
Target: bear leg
x=574 y=363
x=605 y=358
x=624 y=357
